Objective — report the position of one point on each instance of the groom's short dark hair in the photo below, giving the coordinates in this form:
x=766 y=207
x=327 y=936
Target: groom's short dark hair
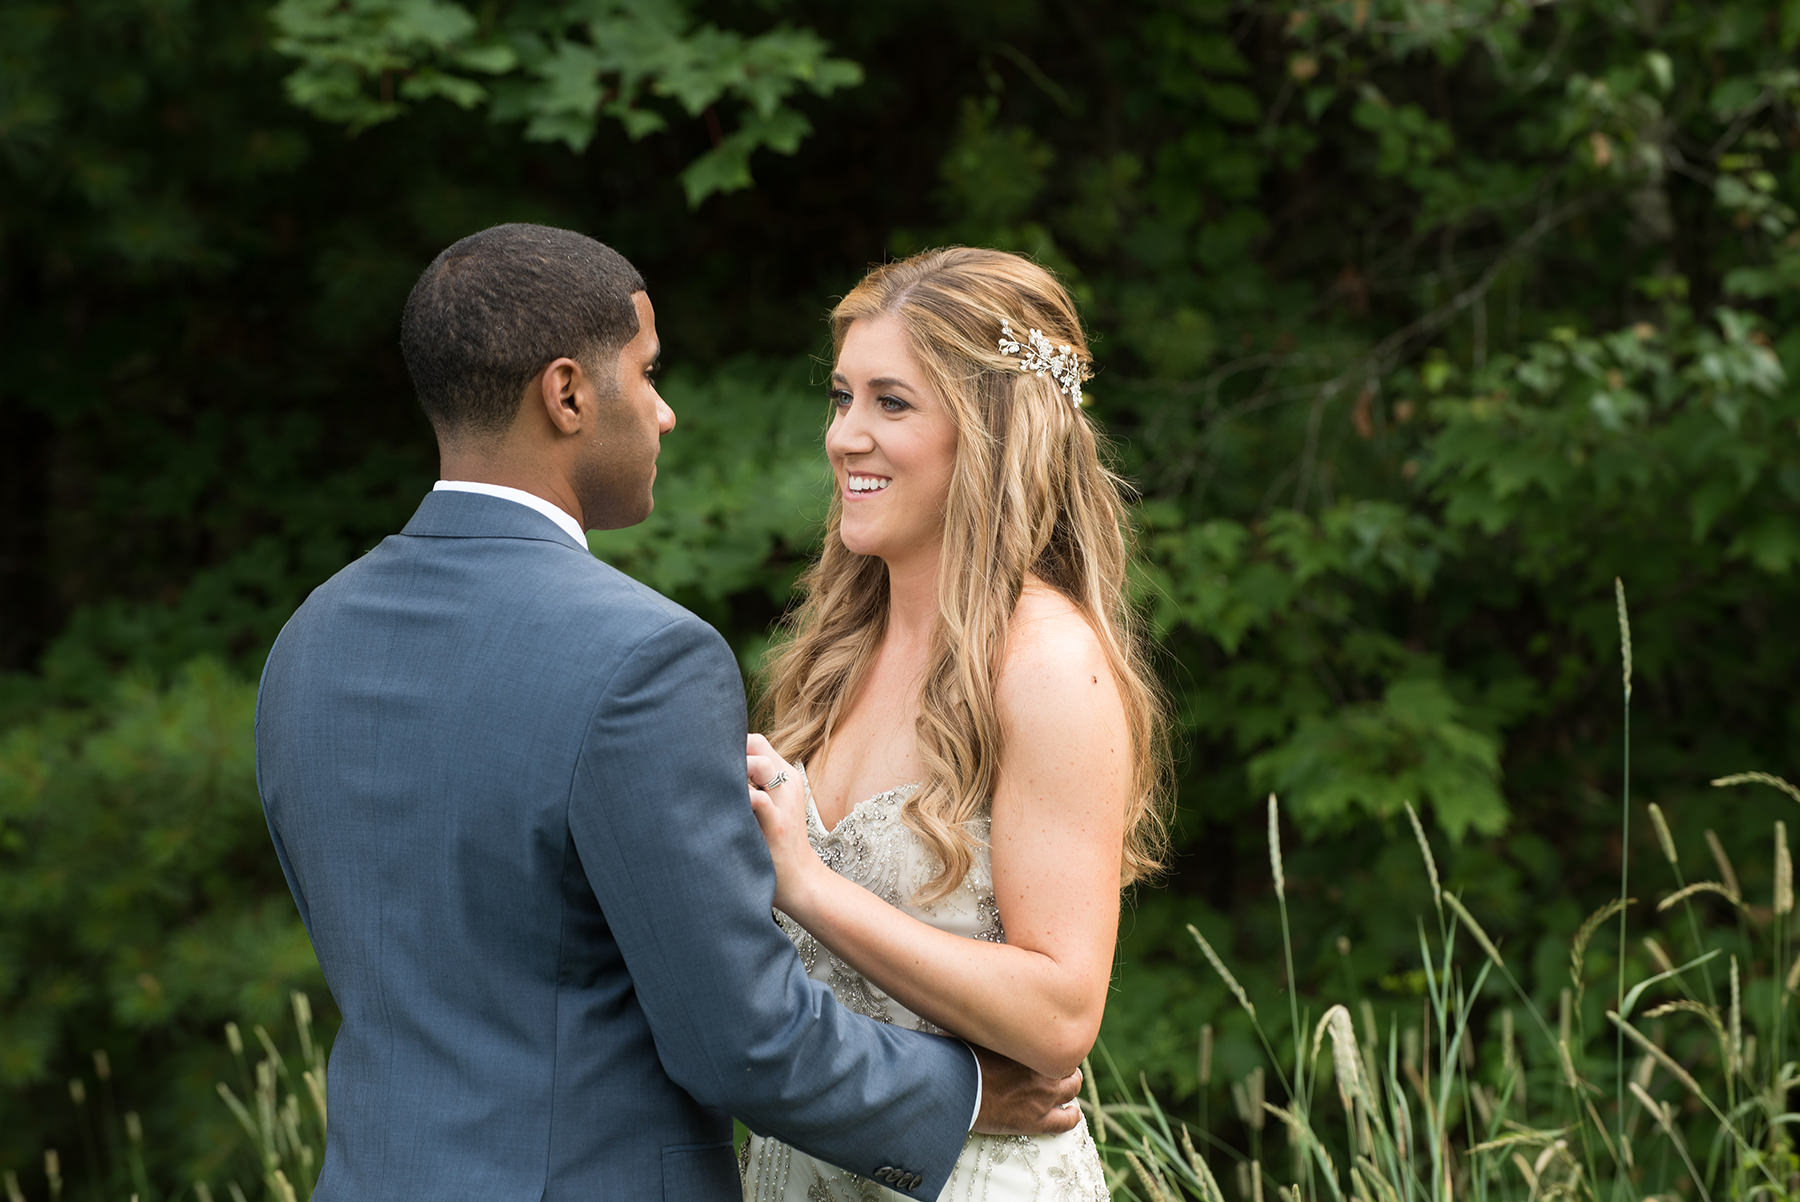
x=495 y=308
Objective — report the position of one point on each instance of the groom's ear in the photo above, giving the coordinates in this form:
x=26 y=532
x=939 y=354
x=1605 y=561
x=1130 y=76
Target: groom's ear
x=566 y=393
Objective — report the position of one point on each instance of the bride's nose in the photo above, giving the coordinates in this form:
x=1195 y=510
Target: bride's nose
x=849 y=432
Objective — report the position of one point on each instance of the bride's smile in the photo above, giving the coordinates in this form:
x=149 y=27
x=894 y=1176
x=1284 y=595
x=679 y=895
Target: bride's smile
x=892 y=445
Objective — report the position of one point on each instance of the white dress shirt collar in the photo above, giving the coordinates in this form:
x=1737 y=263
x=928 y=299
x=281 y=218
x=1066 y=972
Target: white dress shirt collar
x=530 y=500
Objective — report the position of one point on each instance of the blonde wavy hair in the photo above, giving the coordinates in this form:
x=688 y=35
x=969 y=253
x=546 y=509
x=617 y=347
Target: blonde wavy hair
x=1029 y=495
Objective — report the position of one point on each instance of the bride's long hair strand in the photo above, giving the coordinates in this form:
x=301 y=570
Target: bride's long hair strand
x=1029 y=496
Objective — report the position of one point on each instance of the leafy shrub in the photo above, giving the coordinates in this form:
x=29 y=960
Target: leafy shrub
x=143 y=910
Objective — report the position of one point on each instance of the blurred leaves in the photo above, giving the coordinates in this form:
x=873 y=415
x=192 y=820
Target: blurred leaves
x=1416 y=323
x=731 y=527
x=142 y=907
x=560 y=69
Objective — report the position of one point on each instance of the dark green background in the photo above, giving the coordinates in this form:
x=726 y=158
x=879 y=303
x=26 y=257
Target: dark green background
x=1416 y=324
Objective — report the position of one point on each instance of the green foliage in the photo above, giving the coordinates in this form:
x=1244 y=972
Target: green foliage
x=559 y=69
x=741 y=491
x=143 y=909
x=1416 y=323
x=1485 y=310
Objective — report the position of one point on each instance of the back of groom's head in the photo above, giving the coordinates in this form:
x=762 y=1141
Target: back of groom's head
x=495 y=308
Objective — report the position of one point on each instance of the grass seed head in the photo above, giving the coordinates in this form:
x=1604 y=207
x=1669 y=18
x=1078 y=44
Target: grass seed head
x=1645 y=1070
x=1663 y=838
x=1784 y=872
x=1240 y=1102
x=1725 y=890
x=1231 y=983
x=1624 y=632
x=1578 y=949
x=1151 y=1184
x=1481 y=937
x=1570 y=1077
x=1724 y=862
x=1736 y=1064
x=1758 y=778
x=1687 y=1006
x=1668 y=1062
x=1527 y=1172
x=1437 y=892
x=1275 y=851
x=1657 y=1110
x=1345 y=1059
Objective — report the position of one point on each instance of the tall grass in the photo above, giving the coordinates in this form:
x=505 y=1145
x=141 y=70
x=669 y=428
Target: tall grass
x=1456 y=1105
x=279 y=1104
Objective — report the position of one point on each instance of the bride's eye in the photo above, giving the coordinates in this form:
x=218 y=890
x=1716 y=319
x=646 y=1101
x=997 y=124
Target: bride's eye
x=839 y=398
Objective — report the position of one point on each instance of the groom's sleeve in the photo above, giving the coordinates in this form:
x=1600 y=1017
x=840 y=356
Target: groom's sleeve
x=661 y=818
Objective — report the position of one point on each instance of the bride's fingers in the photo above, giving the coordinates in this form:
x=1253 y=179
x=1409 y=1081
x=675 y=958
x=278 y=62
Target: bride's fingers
x=766 y=770
x=761 y=770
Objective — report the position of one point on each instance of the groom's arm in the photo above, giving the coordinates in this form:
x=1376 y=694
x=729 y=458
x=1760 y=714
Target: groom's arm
x=660 y=814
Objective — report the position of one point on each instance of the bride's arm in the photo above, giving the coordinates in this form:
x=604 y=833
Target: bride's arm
x=1058 y=828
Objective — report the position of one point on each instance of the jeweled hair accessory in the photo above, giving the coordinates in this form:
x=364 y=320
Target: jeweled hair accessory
x=1060 y=363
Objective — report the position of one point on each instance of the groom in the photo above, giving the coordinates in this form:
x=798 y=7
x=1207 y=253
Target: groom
x=506 y=785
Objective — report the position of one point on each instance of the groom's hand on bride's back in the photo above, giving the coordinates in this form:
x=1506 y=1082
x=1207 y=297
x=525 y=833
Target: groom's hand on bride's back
x=1016 y=1100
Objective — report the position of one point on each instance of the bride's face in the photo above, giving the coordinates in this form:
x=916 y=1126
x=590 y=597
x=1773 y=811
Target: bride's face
x=891 y=443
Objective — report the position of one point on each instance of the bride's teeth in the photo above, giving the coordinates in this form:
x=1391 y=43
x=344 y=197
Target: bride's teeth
x=867 y=484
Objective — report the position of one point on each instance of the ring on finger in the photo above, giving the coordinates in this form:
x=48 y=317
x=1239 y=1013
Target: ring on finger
x=775 y=782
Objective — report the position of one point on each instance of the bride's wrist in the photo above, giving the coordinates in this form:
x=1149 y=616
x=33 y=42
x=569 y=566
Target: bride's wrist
x=806 y=885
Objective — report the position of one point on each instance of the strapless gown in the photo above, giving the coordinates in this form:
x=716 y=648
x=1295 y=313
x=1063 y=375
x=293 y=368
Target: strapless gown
x=875 y=848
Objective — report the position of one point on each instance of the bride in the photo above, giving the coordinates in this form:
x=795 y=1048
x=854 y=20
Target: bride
x=981 y=738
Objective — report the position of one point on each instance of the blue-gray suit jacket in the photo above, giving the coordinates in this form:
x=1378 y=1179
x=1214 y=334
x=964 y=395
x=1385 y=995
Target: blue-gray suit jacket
x=506 y=784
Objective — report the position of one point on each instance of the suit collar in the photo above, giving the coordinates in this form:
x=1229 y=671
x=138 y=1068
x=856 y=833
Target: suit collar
x=446 y=514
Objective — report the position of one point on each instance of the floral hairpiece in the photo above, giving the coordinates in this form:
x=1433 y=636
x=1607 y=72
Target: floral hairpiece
x=1037 y=355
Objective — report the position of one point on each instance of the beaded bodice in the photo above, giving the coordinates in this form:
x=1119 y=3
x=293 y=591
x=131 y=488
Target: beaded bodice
x=873 y=846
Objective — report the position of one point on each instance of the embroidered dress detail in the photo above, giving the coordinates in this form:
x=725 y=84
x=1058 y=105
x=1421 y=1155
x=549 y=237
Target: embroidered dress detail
x=873 y=846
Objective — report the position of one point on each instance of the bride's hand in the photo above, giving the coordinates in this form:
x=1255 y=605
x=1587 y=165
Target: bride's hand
x=781 y=812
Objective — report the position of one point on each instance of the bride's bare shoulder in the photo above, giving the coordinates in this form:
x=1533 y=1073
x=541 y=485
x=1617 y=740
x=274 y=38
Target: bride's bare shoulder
x=1053 y=657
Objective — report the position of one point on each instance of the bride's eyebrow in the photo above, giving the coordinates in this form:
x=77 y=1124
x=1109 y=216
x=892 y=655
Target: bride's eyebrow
x=838 y=377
